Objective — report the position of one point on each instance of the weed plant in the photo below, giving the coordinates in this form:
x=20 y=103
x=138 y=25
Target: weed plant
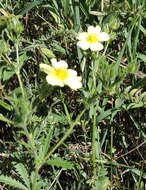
x=75 y=128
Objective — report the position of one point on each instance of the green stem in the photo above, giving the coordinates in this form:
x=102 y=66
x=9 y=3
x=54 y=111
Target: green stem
x=95 y=135
x=102 y=5
x=18 y=69
x=30 y=141
x=67 y=134
x=111 y=152
x=7 y=59
x=93 y=75
x=33 y=149
x=95 y=143
x=35 y=179
x=94 y=138
x=105 y=49
x=20 y=83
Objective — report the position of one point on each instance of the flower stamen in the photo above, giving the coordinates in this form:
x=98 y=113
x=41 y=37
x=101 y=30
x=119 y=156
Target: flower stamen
x=62 y=74
x=92 y=38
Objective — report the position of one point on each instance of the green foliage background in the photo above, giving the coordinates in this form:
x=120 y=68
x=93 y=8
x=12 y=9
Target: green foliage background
x=54 y=138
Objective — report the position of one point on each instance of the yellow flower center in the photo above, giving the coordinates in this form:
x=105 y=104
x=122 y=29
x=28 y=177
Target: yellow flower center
x=60 y=73
x=92 y=38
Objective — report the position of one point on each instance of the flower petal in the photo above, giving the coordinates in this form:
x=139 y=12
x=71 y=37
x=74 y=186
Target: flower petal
x=82 y=36
x=54 y=81
x=46 y=68
x=94 y=30
x=96 y=47
x=103 y=36
x=83 y=44
x=91 y=29
x=53 y=60
x=59 y=64
x=72 y=73
x=74 y=83
x=62 y=64
x=98 y=29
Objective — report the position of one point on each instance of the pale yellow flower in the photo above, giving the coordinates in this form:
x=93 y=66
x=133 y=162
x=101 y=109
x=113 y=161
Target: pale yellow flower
x=92 y=39
x=59 y=75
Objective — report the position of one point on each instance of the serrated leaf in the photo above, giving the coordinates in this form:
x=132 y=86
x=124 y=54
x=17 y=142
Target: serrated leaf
x=59 y=162
x=103 y=115
x=47 y=52
x=139 y=173
x=59 y=49
x=55 y=118
x=12 y=182
x=47 y=140
x=21 y=170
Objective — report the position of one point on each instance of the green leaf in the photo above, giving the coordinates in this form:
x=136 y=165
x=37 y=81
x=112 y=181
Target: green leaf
x=59 y=49
x=139 y=173
x=30 y=6
x=142 y=57
x=47 y=52
x=21 y=170
x=7 y=74
x=102 y=183
x=5 y=105
x=66 y=7
x=77 y=15
x=3 y=118
x=12 y=182
x=59 y=162
x=47 y=141
x=140 y=83
x=142 y=29
x=103 y=115
x=22 y=59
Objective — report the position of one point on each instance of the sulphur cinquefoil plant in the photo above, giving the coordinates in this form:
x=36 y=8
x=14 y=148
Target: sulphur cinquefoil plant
x=72 y=95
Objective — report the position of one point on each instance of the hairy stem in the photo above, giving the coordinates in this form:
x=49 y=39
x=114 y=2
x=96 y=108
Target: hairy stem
x=18 y=69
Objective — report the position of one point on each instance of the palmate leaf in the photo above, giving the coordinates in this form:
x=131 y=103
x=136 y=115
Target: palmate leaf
x=12 y=182
x=59 y=162
x=21 y=170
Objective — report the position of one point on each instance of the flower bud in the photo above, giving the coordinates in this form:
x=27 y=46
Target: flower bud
x=15 y=25
x=114 y=22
